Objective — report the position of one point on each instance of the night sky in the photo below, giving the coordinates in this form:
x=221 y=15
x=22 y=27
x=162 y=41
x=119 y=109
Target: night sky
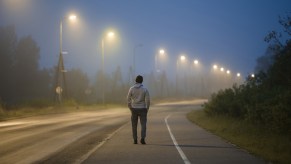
x=225 y=32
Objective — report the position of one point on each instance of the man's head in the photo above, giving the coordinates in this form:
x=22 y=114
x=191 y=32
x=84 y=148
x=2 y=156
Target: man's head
x=139 y=79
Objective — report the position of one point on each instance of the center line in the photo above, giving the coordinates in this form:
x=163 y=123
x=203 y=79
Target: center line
x=183 y=156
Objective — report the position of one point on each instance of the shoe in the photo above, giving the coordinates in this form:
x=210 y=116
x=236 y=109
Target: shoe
x=135 y=142
x=142 y=141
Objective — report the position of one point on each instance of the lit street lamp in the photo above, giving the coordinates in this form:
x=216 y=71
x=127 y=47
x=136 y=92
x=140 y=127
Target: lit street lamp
x=222 y=69
x=60 y=74
x=181 y=59
x=196 y=62
x=160 y=54
x=109 y=35
x=215 y=67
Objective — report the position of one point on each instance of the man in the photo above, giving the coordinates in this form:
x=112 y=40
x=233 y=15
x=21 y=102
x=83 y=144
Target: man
x=138 y=100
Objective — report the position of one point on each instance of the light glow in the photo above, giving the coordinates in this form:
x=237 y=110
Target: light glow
x=72 y=17
x=110 y=34
x=215 y=66
x=183 y=58
x=196 y=62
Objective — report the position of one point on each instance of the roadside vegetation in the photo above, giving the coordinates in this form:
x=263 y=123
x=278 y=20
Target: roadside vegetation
x=43 y=108
x=256 y=139
x=257 y=114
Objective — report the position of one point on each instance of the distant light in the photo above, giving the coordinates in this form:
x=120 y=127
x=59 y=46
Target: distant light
x=228 y=71
x=214 y=66
x=72 y=17
x=162 y=52
x=183 y=58
x=238 y=74
x=252 y=75
x=111 y=34
x=221 y=69
x=196 y=62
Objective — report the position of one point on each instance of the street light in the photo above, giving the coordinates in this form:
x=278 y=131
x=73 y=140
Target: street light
x=222 y=69
x=160 y=54
x=196 y=62
x=215 y=67
x=228 y=71
x=61 y=80
x=182 y=58
x=109 y=35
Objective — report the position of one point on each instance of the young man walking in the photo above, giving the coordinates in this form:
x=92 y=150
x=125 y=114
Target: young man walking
x=138 y=100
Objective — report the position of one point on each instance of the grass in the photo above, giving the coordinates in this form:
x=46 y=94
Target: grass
x=20 y=112
x=256 y=140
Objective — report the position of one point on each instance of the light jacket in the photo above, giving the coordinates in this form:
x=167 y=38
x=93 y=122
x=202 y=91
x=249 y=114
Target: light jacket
x=138 y=97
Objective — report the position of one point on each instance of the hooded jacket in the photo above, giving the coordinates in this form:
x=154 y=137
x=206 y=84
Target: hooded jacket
x=138 y=97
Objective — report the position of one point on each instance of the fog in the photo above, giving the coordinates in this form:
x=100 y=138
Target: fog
x=226 y=36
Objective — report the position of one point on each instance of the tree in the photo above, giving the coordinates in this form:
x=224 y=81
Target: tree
x=8 y=41
x=77 y=84
x=21 y=77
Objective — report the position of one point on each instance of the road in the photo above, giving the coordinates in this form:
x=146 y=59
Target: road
x=105 y=137
x=61 y=138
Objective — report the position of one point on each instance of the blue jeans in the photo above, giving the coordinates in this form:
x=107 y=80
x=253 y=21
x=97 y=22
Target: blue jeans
x=140 y=113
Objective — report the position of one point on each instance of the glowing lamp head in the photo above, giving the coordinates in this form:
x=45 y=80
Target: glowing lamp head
x=162 y=52
x=196 y=62
x=111 y=34
x=72 y=17
x=182 y=58
x=215 y=66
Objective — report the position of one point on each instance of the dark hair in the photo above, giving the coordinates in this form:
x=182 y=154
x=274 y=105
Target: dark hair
x=139 y=79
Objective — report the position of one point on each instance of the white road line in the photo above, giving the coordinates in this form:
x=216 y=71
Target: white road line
x=183 y=156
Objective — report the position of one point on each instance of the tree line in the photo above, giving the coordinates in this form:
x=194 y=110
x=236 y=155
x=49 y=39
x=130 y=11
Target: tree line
x=265 y=99
x=24 y=81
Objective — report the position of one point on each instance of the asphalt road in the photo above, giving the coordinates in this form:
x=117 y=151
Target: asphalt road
x=105 y=137
x=171 y=138
x=61 y=138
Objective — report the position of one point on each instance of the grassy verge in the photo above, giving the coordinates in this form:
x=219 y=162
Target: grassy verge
x=256 y=140
x=7 y=114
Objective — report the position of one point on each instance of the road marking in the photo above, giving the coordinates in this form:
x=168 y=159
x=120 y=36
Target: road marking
x=86 y=156
x=183 y=156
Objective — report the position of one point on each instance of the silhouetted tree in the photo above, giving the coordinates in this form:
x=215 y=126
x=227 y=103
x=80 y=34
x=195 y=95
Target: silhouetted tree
x=21 y=77
x=77 y=83
x=8 y=41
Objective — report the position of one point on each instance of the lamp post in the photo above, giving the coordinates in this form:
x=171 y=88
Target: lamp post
x=110 y=35
x=61 y=85
x=134 y=49
x=160 y=54
x=181 y=59
x=158 y=71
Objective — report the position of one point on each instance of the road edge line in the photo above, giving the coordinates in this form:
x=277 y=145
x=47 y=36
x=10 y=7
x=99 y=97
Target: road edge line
x=87 y=155
x=183 y=156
